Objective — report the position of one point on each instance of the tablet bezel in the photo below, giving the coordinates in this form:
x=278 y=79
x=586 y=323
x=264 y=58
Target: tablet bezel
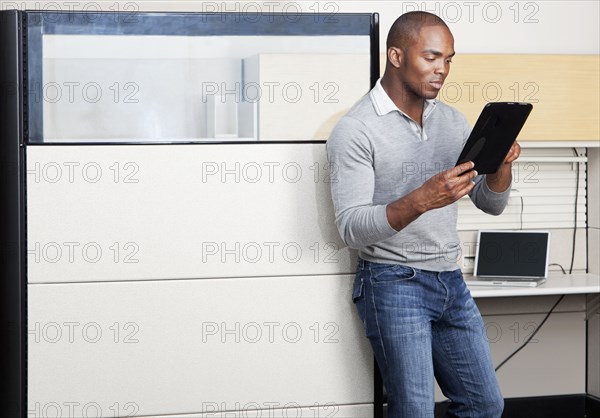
x=494 y=133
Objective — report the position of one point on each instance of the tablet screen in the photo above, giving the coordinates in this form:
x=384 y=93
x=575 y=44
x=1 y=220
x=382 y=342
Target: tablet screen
x=494 y=133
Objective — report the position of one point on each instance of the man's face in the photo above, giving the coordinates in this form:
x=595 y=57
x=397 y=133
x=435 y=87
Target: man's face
x=426 y=63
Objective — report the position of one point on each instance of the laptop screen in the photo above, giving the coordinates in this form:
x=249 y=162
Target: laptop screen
x=518 y=254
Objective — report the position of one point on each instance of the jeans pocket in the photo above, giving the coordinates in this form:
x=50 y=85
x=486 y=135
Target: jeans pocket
x=358 y=289
x=358 y=297
x=391 y=273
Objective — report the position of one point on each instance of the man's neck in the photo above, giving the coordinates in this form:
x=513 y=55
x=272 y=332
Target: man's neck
x=405 y=100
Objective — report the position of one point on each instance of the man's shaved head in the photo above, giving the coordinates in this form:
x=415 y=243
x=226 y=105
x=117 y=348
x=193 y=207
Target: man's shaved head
x=405 y=30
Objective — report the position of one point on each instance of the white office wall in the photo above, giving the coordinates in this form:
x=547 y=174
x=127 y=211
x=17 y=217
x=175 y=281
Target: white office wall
x=579 y=20
x=533 y=27
x=499 y=27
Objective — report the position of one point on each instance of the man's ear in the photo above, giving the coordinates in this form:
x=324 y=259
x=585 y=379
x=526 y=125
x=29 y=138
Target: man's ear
x=395 y=56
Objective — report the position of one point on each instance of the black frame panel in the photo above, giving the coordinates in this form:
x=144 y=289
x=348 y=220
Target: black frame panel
x=199 y=24
x=13 y=277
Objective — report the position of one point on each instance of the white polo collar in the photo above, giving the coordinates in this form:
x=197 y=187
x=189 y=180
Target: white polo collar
x=384 y=104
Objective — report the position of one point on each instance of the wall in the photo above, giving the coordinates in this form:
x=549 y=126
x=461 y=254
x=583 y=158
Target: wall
x=536 y=27
x=508 y=37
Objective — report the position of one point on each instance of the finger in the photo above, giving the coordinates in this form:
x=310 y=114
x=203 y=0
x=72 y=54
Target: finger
x=516 y=150
x=469 y=175
x=460 y=169
x=464 y=190
x=513 y=153
x=457 y=186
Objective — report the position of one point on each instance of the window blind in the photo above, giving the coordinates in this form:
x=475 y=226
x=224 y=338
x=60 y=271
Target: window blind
x=543 y=196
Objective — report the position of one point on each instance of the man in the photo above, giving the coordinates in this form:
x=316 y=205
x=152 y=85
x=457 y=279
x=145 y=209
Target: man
x=395 y=197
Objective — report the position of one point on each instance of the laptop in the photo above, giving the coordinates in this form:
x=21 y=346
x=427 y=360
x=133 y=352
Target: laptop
x=511 y=258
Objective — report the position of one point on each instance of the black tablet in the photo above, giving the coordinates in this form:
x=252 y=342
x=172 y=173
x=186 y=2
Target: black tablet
x=494 y=133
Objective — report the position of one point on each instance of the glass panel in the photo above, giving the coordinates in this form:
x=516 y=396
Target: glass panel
x=114 y=87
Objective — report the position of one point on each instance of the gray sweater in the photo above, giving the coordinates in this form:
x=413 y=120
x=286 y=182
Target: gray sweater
x=379 y=154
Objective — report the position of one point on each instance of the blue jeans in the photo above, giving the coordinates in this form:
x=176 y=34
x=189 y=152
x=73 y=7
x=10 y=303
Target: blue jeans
x=423 y=324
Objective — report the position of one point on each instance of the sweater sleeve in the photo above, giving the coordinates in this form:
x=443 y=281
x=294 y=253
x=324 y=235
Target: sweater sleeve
x=488 y=200
x=349 y=151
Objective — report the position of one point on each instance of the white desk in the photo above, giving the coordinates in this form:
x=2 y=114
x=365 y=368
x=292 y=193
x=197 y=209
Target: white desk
x=556 y=284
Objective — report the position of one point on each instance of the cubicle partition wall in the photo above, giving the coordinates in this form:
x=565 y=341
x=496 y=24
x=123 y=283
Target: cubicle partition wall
x=169 y=244
x=168 y=241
